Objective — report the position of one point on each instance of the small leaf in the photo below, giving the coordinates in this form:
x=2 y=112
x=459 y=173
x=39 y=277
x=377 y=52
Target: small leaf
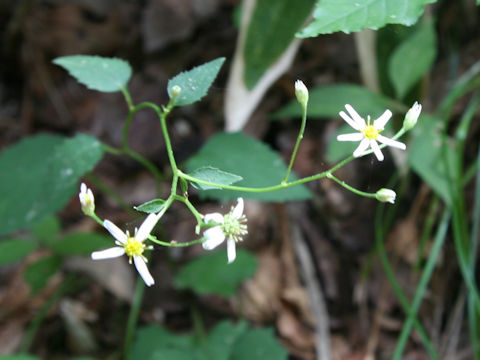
x=211 y=274
x=327 y=101
x=81 y=244
x=213 y=175
x=270 y=31
x=38 y=273
x=43 y=173
x=350 y=16
x=12 y=250
x=97 y=73
x=152 y=206
x=254 y=161
x=258 y=344
x=195 y=83
x=412 y=59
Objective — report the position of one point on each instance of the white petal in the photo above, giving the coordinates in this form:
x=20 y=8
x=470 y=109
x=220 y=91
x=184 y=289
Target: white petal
x=115 y=231
x=215 y=237
x=143 y=270
x=238 y=210
x=215 y=217
x=357 y=118
x=231 y=250
x=146 y=227
x=376 y=150
x=108 y=253
x=90 y=195
x=350 y=137
x=391 y=142
x=83 y=188
x=380 y=123
x=349 y=120
x=361 y=147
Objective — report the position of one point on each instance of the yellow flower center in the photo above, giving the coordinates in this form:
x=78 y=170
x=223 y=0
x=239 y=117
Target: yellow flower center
x=370 y=132
x=133 y=247
x=234 y=228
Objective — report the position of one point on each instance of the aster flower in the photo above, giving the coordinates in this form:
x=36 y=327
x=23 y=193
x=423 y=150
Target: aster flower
x=368 y=134
x=87 y=201
x=132 y=246
x=230 y=226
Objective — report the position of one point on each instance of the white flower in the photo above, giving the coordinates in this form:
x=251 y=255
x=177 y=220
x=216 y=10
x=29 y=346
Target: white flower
x=412 y=116
x=386 y=195
x=87 y=201
x=132 y=246
x=301 y=92
x=368 y=134
x=230 y=226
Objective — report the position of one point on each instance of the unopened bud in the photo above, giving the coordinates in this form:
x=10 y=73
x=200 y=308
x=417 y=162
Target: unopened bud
x=175 y=91
x=87 y=201
x=386 y=195
x=412 y=116
x=301 y=92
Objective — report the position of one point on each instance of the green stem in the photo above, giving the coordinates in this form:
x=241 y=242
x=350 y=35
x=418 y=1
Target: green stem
x=380 y=225
x=348 y=187
x=297 y=144
x=174 y=243
x=422 y=285
x=133 y=316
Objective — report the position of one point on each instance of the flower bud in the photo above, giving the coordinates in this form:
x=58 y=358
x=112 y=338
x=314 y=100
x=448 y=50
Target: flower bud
x=301 y=92
x=412 y=116
x=386 y=195
x=87 y=201
x=175 y=91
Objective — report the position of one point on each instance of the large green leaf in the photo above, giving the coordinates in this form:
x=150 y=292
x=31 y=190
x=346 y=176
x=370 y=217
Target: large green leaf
x=350 y=16
x=211 y=274
x=327 y=101
x=270 y=31
x=254 y=161
x=97 y=73
x=429 y=158
x=258 y=344
x=19 y=357
x=195 y=83
x=211 y=174
x=43 y=173
x=15 y=249
x=412 y=58
x=339 y=150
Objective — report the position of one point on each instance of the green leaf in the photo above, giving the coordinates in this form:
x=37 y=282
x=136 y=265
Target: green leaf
x=195 y=83
x=152 y=206
x=258 y=344
x=211 y=174
x=327 y=101
x=350 y=16
x=412 y=59
x=254 y=161
x=38 y=273
x=223 y=337
x=211 y=274
x=270 y=31
x=15 y=249
x=19 y=357
x=47 y=231
x=43 y=173
x=97 y=73
x=81 y=244
x=152 y=340
x=428 y=159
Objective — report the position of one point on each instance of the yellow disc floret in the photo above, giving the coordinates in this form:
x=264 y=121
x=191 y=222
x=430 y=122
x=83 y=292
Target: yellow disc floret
x=133 y=247
x=370 y=132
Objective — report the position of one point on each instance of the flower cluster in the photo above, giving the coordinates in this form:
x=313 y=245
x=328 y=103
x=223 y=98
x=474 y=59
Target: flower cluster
x=231 y=226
